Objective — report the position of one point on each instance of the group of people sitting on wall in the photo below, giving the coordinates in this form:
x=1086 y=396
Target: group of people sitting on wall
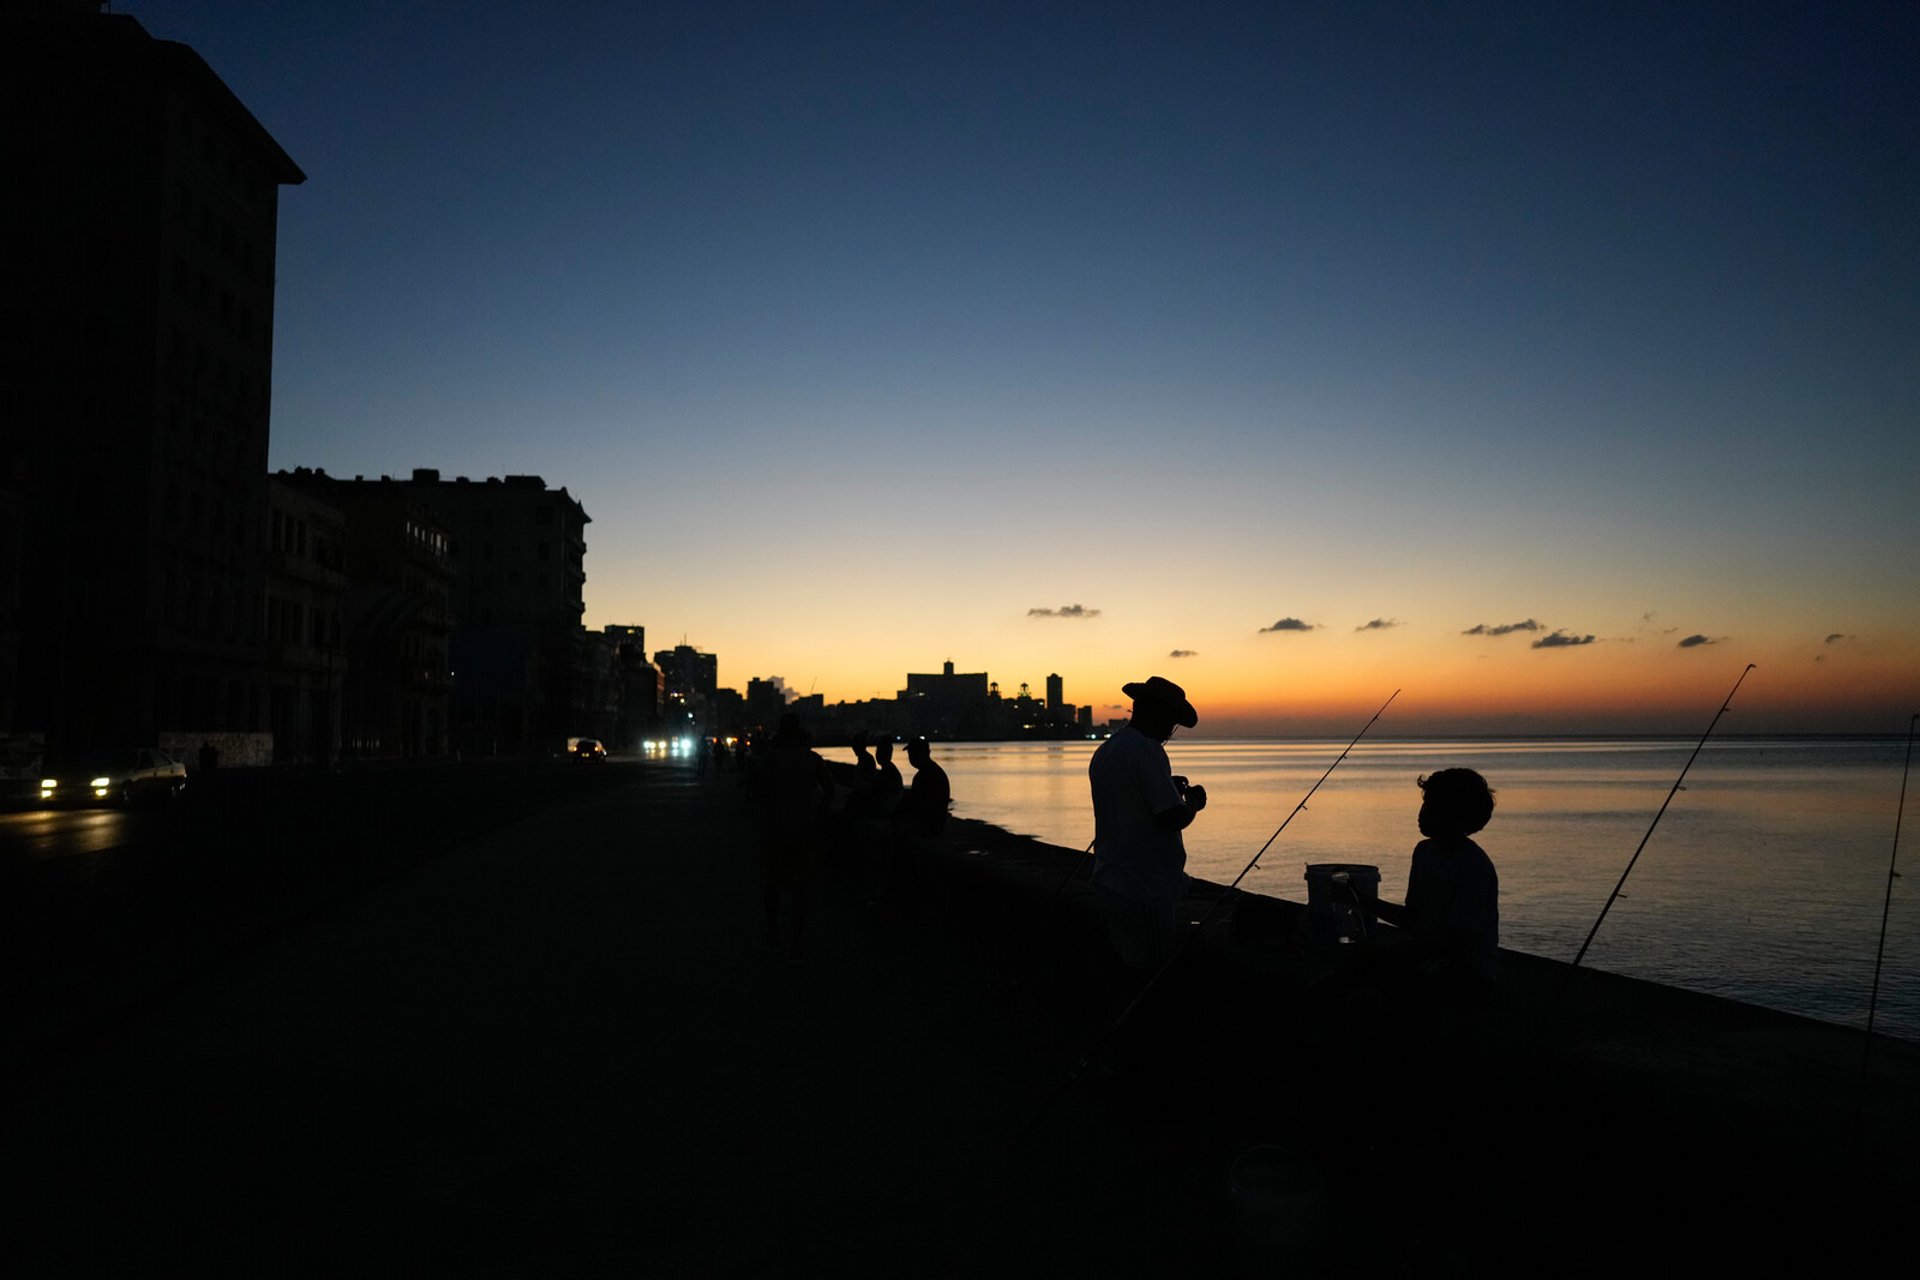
x=799 y=800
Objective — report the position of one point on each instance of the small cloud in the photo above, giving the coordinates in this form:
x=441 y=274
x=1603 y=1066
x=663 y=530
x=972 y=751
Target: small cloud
x=1836 y=637
x=1695 y=641
x=1503 y=629
x=1184 y=653
x=1288 y=624
x=1561 y=640
x=1065 y=611
x=1378 y=624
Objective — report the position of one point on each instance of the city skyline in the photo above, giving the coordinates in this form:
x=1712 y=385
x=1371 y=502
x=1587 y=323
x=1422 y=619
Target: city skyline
x=1548 y=367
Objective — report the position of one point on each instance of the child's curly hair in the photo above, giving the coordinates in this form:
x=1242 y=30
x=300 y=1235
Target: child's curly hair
x=1455 y=800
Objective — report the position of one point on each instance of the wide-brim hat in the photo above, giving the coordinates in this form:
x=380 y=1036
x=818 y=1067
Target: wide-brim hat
x=1162 y=692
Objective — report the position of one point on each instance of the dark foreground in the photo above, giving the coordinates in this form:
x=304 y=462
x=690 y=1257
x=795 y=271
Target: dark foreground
x=538 y=1036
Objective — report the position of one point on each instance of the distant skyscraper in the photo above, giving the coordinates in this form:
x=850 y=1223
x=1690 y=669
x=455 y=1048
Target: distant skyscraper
x=686 y=672
x=1056 y=695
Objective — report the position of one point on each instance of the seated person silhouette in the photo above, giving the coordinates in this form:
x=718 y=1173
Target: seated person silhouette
x=1450 y=926
x=923 y=812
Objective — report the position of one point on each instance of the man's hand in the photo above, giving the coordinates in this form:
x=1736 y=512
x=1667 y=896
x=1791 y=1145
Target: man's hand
x=1196 y=798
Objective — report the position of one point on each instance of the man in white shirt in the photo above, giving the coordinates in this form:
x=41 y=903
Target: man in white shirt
x=1139 y=810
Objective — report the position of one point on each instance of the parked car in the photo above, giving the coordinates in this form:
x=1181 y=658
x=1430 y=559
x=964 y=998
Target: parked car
x=115 y=777
x=587 y=749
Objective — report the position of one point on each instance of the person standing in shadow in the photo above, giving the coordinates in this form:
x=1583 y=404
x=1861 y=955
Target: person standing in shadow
x=879 y=826
x=889 y=787
x=852 y=824
x=1139 y=810
x=792 y=788
x=866 y=771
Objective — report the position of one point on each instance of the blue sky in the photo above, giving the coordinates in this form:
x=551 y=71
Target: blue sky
x=865 y=330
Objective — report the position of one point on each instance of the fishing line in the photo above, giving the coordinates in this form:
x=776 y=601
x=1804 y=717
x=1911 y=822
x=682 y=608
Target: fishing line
x=1656 y=822
x=1072 y=871
x=1199 y=926
x=1886 y=908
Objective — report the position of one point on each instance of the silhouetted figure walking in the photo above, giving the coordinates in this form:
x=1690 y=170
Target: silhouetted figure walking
x=792 y=787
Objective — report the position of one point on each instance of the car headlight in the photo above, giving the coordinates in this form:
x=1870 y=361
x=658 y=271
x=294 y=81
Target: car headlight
x=49 y=784
x=100 y=782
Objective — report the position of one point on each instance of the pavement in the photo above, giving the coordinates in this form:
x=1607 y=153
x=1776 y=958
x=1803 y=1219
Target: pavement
x=556 y=1046
x=559 y=1049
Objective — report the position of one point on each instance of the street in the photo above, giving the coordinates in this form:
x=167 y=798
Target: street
x=104 y=908
x=560 y=1049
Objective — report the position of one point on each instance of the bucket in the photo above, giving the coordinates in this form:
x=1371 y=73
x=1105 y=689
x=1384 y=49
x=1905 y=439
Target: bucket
x=1334 y=892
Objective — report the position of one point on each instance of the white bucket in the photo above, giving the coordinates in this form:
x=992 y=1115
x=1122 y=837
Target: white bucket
x=1335 y=891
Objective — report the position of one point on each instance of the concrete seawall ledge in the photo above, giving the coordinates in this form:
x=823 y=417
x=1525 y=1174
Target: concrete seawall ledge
x=1590 y=1090
x=556 y=1048
x=1723 y=1062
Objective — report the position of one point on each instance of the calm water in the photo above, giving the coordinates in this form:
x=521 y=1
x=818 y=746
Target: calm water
x=1764 y=881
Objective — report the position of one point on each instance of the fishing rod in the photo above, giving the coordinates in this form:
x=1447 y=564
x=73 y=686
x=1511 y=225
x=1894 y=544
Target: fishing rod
x=1180 y=947
x=1255 y=861
x=1656 y=820
x=1886 y=908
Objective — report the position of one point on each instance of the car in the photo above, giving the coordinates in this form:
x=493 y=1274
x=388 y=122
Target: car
x=115 y=777
x=587 y=749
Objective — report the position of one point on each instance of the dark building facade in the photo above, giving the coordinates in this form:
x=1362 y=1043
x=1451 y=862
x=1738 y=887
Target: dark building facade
x=306 y=593
x=524 y=676
x=950 y=704
x=638 y=686
x=137 y=311
x=396 y=617
x=686 y=673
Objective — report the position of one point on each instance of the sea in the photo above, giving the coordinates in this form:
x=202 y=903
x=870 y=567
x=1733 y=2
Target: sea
x=1765 y=880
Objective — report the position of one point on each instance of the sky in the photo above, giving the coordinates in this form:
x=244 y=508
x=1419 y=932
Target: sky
x=1549 y=363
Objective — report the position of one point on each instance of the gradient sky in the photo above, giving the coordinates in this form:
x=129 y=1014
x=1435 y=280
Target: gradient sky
x=864 y=332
